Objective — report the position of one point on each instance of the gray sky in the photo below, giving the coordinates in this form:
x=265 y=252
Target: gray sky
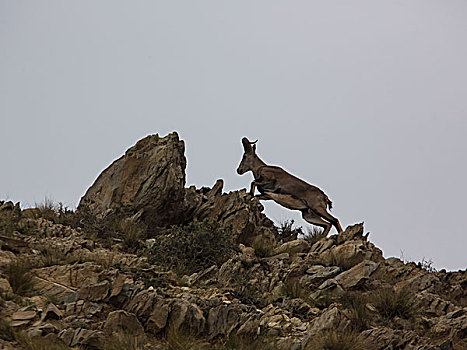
x=365 y=99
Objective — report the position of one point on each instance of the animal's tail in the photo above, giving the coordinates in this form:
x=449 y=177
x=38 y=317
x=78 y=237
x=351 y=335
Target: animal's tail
x=329 y=203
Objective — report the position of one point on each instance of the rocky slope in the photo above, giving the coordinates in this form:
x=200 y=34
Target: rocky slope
x=145 y=263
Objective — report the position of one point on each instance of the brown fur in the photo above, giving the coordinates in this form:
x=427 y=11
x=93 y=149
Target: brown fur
x=274 y=183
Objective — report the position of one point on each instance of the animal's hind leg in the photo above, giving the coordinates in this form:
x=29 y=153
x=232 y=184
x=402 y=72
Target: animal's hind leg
x=263 y=197
x=333 y=220
x=311 y=217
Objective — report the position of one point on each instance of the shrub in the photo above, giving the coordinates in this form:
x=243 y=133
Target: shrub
x=6 y=331
x=51 y=255
x=292 y=289
x=18 y=273
x=338 y=339
x=177 y=339
x=41 y=343
x=9 y=220
x=131 y=233
x=359 y=315
x=314 y=235
x=263 y=248
x=391 y=303
x=247 y=343
x=192 y=247
x=287 y=232
x=249 y=293
x=345 y=263
x=122 y=341
x=426 y=265
x=48 y=210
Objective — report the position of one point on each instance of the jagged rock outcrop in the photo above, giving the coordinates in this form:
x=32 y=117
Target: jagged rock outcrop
x=83 y=290
x=147 y=181
x=148 y=184
x=295 y=296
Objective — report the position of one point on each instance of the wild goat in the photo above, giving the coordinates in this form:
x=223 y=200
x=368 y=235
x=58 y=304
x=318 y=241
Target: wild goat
x=287 y=190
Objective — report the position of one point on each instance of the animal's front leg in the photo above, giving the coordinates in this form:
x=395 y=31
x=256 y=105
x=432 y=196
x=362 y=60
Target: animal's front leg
x=252 y=188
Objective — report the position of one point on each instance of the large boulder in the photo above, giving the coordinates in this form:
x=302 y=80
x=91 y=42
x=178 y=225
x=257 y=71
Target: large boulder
x=148 y=180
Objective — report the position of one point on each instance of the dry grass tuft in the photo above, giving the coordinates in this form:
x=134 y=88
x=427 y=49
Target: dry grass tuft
x=286 y=232
x=51 y=255
x=41 y=343
x=338 y=339
x=391 y=303
x=343 y=262
x=6 y=331
x=18 y=273
x=359 y=315
x=263 y=248
x=123 y=341
x=314 y=235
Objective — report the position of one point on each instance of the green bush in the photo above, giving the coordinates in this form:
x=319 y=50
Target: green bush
x=193 y=247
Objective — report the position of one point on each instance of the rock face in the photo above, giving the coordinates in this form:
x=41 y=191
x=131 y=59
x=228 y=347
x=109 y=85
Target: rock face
x=148 y=180
x=148 y=184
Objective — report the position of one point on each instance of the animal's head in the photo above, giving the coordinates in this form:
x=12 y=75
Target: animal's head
x=249 y=156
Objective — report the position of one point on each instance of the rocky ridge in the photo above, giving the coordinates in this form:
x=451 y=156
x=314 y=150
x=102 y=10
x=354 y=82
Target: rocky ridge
x=84 y=287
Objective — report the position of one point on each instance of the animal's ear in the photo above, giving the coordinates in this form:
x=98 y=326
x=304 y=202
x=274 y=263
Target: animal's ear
x=254 y=148
x=247 y=145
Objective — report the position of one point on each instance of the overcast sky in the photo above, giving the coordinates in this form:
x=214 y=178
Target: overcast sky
x=365 y=99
